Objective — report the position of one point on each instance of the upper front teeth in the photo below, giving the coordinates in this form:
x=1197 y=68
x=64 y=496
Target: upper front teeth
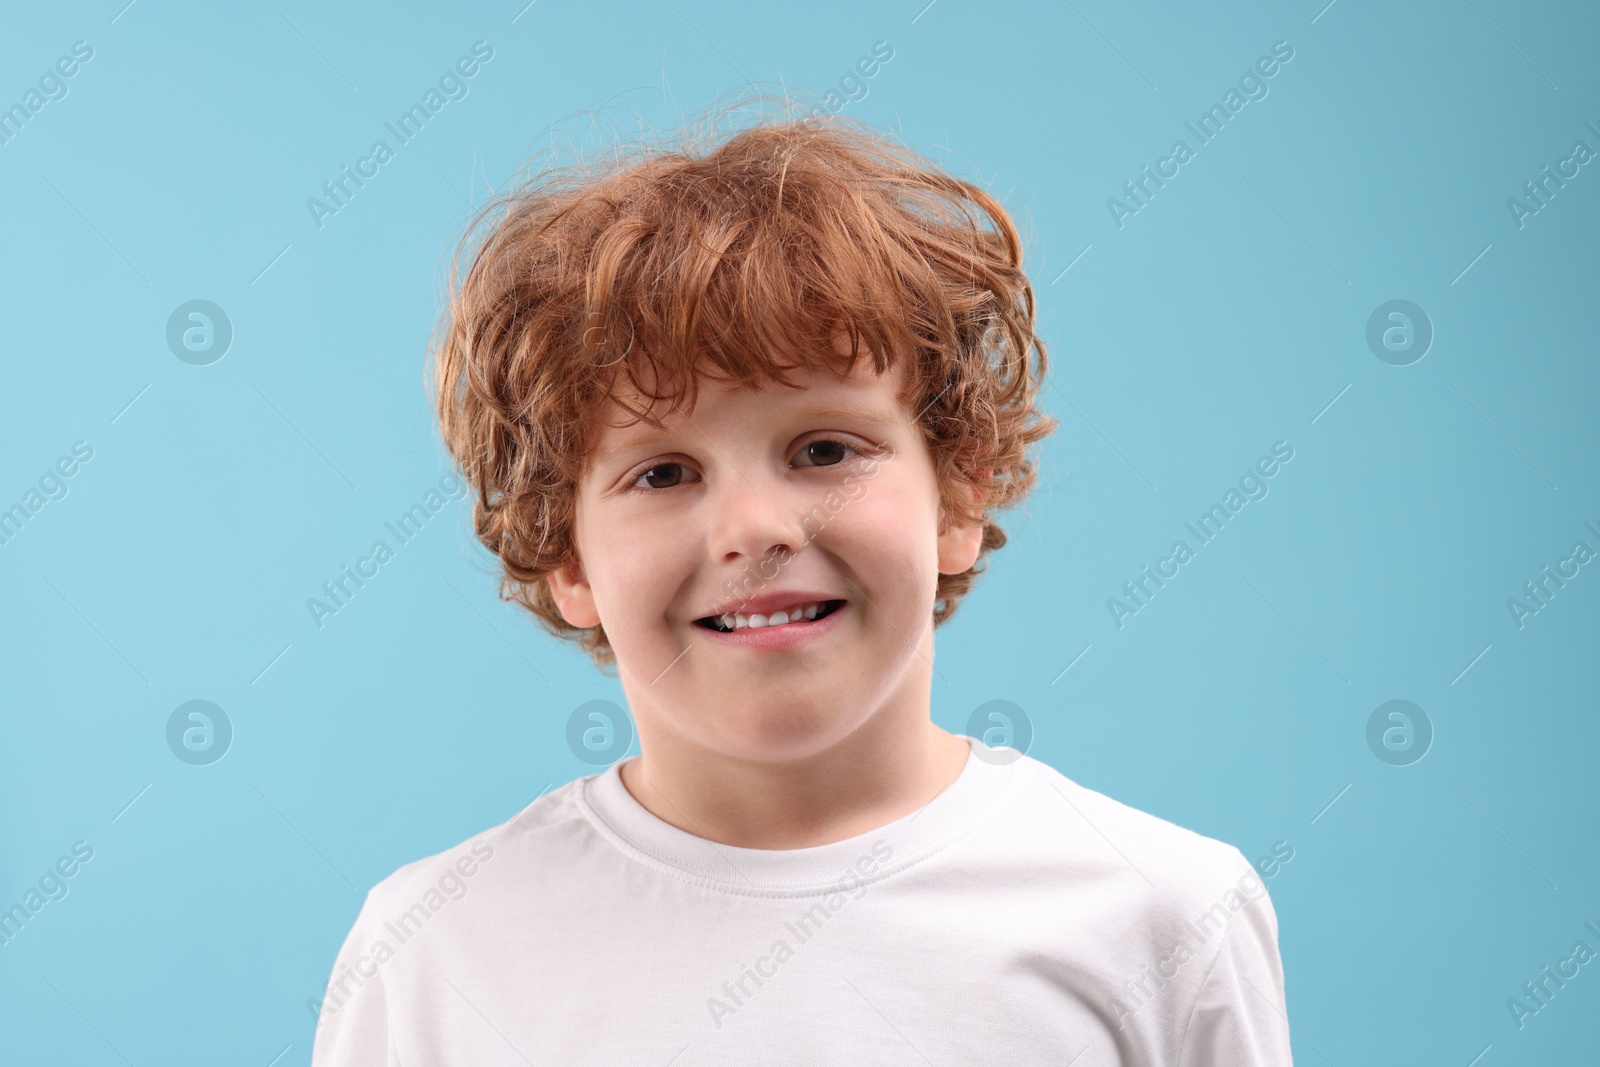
x=741 y=621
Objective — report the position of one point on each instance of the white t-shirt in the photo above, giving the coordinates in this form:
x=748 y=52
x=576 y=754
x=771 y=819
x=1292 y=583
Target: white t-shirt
x=1018 y=918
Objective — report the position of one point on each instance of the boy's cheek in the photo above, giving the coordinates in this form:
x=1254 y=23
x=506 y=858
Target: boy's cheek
x=883 y=551
x=641 y=586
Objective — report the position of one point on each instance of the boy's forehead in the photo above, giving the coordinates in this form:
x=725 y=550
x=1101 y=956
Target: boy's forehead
x=819 y=393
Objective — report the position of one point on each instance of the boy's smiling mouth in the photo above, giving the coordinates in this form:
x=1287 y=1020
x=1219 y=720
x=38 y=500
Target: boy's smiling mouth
x=795 y=612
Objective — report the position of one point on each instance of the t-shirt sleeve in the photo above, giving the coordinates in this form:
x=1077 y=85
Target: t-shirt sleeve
x=1239 y=1017
x=353 y=1025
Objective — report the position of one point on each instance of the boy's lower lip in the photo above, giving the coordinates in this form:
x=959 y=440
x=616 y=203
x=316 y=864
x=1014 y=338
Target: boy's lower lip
x=778 y=638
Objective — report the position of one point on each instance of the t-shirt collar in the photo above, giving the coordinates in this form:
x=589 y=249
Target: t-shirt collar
x=839 y=865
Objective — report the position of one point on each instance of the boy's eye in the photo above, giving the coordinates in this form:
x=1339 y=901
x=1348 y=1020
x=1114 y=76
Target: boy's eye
x=656 y=479
x=823 y=452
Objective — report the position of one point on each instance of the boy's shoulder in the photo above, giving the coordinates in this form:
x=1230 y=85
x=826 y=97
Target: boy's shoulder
x=1176 y=928
x=1155 y=864
x=551 y=823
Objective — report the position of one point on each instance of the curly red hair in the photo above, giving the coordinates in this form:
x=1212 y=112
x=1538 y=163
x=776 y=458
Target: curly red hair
x=735 y=260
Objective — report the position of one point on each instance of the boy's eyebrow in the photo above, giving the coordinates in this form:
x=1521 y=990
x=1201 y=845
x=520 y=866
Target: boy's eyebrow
x=859 y=413
x=850 y=413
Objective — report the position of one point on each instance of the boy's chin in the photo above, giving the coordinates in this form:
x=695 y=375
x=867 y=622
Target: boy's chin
x=775 y=733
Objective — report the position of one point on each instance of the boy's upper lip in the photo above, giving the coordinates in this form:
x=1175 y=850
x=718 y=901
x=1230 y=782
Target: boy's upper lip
x=769 y=602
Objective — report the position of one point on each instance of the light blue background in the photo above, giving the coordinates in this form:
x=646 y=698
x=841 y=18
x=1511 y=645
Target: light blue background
x=1223 y=317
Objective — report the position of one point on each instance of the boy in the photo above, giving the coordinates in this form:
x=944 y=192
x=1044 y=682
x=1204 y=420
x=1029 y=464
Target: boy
x=738 y=421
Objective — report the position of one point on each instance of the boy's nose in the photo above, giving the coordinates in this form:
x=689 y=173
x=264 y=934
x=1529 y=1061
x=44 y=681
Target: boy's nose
x=753 y=516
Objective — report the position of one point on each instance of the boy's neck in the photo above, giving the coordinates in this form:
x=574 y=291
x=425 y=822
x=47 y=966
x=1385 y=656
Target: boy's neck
x=880 y=773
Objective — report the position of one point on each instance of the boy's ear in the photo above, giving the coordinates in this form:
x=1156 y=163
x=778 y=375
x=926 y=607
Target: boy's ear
x=959 y=545
x=573 y=595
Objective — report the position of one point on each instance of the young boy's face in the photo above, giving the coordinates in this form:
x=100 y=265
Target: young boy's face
x=822 y=494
